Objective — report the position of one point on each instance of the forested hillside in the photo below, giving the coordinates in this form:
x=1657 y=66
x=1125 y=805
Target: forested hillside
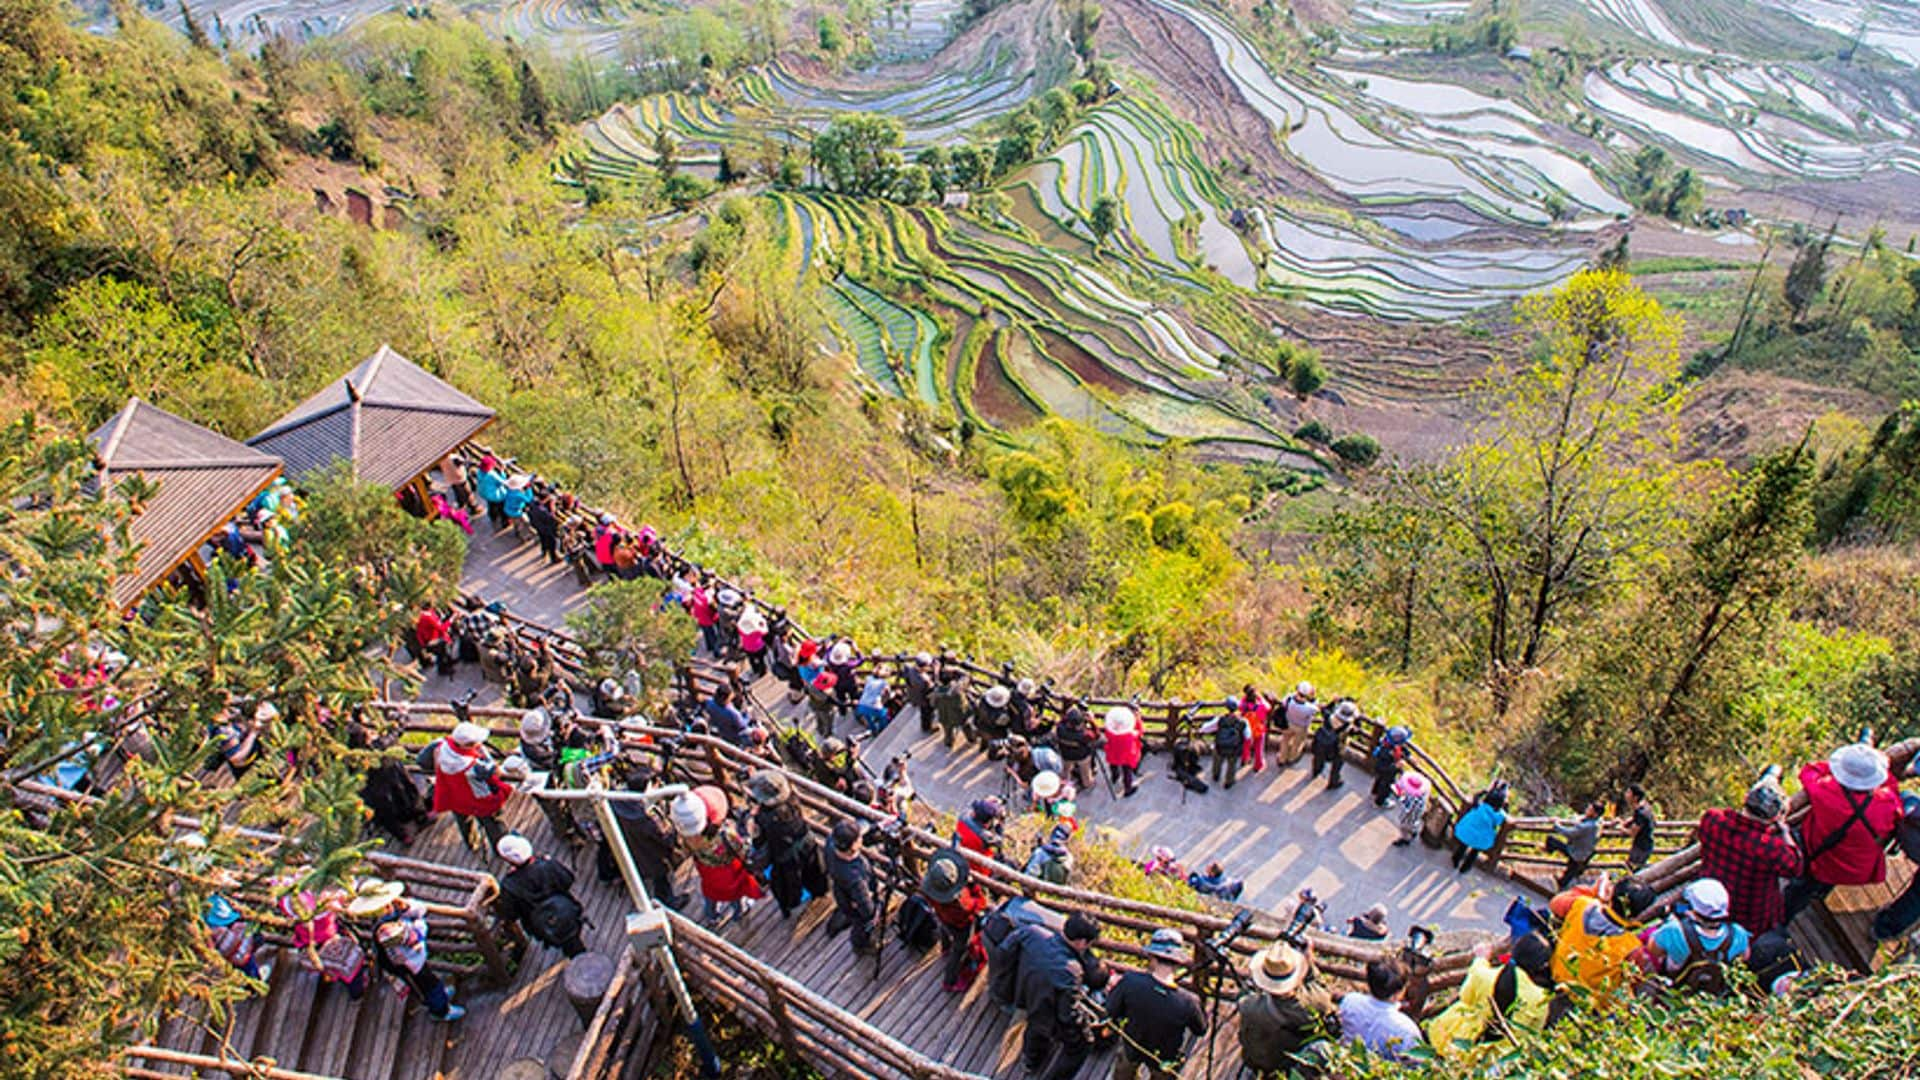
x=1559 y=587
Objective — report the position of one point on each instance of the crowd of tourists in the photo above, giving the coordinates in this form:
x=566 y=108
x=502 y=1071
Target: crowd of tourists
x=1599 y=940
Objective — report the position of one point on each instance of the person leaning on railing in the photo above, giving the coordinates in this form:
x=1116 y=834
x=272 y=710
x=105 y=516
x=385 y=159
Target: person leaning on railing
x=1152 y=1015
x=1286 y=1014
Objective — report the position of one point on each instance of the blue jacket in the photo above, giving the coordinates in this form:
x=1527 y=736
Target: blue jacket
x=516 y=502
x=1479 y=827
x=491 y=485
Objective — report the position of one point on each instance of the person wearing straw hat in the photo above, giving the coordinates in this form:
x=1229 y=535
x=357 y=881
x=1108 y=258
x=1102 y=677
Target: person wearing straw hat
x=796 y=869
x=1123 y=748
x=993 y=720
x=402 y=953
x=1285 y=1014
x=1152 y=1014
x=1853 y=810
x=958 y=902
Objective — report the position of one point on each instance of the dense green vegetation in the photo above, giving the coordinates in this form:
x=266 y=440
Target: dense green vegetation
x=1560 y=594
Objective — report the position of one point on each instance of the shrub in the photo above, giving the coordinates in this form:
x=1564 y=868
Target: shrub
x=1361 y=450
x=1314 y=431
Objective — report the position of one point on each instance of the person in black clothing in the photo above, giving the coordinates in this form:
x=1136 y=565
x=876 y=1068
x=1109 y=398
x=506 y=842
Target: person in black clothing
x=991 y=720
x=1639 y=826
x=1055 y=970
x=950 y=706
x=546 y=526
x=855 y=892
x=793 y=856
x=650 y=840
x=918 y=680
x=1285 y=1013
x=1229 y=738
x=533 y=881
x=1327 y=739
x=1077 y=742
x=1153 y=1015
x=388 y=790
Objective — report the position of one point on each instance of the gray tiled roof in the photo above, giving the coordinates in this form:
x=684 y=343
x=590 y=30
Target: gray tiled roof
x=388 y=417
x=202 y=479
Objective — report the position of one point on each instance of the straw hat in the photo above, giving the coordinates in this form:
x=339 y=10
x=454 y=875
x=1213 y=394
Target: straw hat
x=841 y=653
x=1028 y=687
x=1345 y=711
x=373 y=896
x=998 y=696
x=1120 y=721
x=515 y=768
x=768 y=786
x=1277 y=969
x=535 y=726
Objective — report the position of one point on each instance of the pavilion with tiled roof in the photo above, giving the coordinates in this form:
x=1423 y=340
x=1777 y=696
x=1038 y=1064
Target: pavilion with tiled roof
x=201 y=479
x=388 y=419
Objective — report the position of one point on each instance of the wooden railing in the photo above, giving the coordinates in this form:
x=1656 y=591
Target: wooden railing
x=459 y=902
x=840 y=1043
x=145 y=1063
x=704 y=759
x=620 y=1039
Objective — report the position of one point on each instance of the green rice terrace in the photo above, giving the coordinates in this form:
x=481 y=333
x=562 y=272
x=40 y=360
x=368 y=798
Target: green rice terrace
x=1198 y=193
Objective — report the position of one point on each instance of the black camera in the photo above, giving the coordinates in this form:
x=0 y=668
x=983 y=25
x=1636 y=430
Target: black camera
x=1308 y=911
x=1214 y=949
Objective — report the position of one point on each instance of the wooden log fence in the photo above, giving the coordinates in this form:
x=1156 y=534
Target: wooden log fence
x=624 y=1033
x=142 y=1061
x=459 y=902
x=705 y=759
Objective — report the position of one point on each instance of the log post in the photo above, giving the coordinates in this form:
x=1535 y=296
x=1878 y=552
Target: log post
x=481 y=925
x=777 y=1005
x=587 y=979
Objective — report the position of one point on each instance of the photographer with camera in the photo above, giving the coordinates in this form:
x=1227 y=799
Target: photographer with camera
x=1077 y=741
x=466 y=782
x=979 y=830
x=1286 y=1013
x=1056 y=972
x=1152 y=1015
x=856 y=894
x=793 y=858
x=993 y=720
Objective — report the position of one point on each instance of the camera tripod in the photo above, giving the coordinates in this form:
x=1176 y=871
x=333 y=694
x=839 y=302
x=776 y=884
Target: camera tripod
x=1213 y=971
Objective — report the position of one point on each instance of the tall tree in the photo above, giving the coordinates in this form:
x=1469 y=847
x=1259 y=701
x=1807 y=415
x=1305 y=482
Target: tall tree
x=1103 y=219
x=1807 y=276
x=1571 y=482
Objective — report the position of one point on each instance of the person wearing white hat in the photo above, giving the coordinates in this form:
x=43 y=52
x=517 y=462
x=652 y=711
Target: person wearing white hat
x=1299 y=710
x=993 y=720
x=466 y=783
x=1853 y=810
x=1153 y=1015
x=516 y=499
x=1697 y=944
x=1124 y=748
x=402 y=937
x=752 y=628
x=537 y=894
x=1286 y=1012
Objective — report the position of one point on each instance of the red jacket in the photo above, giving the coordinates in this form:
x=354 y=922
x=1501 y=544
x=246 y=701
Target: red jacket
x=1124 y=749
x=457 y=789
x=429 y=629
x=969 y=838
x=1860 y=856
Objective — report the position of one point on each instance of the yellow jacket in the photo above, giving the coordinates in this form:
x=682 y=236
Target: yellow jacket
x=1461 y=1027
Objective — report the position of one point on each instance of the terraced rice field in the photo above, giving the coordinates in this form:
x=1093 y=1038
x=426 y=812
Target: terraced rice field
x=913 y=30
x=1748 y=121
x=931 y=111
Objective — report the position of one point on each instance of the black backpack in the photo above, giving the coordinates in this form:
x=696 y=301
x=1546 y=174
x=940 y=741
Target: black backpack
x=916 y=924
x=1705 y=971
x=556 y=920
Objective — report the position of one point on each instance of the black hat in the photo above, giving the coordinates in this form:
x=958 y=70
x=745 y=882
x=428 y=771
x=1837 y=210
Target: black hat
x=1079 y=927
x=946 y=876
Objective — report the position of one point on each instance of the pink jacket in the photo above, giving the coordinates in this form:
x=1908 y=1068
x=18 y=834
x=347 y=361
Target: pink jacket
x=1124 y=749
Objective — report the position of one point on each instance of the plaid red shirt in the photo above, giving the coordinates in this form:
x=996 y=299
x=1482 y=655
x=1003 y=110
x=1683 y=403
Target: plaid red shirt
x=1749 y=857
